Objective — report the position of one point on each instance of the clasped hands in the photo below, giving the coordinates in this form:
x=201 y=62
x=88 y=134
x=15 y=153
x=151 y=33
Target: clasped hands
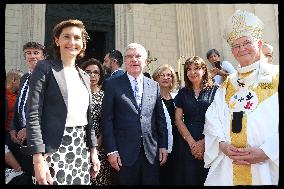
x=197 y=149
x=243 y=156
x=18 y=138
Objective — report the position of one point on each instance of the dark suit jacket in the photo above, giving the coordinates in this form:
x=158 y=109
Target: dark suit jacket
x=16 y=124
x=115 y=74
x=123 y=124
x=47 y=108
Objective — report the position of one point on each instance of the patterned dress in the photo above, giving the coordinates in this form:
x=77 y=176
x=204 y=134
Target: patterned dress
x=70 y=164
x=103 y=177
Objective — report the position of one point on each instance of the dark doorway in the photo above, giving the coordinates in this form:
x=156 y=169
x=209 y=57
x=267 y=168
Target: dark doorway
x=95 y=46
x=99 y=22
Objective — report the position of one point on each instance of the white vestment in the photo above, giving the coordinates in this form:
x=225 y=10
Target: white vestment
x=256 y=94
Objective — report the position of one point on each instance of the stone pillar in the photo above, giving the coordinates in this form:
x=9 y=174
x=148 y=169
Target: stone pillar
x=32 y=24
x=186 y=44
x=124 y=33
x=119 y=26
x=23 y=23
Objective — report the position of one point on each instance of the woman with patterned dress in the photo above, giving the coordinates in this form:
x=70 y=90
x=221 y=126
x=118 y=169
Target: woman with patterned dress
x=191 y=103
x=60 y=136
x=95 y=70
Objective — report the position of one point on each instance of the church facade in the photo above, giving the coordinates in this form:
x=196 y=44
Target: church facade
x=168 y=31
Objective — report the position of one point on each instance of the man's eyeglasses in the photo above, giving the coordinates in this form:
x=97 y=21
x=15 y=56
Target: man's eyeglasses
x=91 y=73
x=246 y=44
x=137 y=56
x=166 y=75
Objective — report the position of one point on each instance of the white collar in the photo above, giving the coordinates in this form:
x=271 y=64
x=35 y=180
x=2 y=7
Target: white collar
x=139 y=78
x=248 y=68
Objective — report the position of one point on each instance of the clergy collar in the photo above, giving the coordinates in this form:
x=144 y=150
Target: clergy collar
x=248 y=68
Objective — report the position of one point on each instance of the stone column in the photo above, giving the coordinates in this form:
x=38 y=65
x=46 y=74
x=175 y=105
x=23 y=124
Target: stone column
x=186 y=42
x=124 y=33
x=23 y=23
x=32 y=24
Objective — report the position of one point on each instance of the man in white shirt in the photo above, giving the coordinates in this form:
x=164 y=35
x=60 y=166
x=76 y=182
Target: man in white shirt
x=134 y=127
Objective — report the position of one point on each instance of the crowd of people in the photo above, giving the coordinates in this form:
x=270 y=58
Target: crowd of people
x=98 y=124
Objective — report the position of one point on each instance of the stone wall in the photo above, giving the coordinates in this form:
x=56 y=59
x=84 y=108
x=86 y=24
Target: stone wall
x=12 y=37
x=210 y=21
x=166 y=30
x=23 y=23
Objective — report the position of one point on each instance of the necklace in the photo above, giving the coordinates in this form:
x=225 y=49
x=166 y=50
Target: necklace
x=167 y=97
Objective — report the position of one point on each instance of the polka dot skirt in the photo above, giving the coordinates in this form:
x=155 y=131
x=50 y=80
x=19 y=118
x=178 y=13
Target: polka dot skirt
x=70 y=164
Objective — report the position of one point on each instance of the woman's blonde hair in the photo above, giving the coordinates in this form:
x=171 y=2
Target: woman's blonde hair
x=162 y=68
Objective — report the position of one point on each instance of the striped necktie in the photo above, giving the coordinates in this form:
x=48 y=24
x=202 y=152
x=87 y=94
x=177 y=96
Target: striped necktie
x=137 y=93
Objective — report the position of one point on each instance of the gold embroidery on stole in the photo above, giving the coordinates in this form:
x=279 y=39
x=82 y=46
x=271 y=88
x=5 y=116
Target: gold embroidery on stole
x=241 y=173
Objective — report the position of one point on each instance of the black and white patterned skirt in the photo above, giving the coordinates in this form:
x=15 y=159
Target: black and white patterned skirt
x=70 y=164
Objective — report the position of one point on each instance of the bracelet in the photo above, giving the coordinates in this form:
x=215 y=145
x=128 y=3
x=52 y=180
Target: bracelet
x=108 y=154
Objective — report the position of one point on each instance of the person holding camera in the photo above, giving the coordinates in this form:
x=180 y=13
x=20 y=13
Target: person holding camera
x=220 y=70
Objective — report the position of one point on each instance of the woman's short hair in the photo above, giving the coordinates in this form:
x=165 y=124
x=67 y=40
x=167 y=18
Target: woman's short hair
x=162 y=68
x=211 y=51
x=93 y=61
x=200 y=63
x=57 y=30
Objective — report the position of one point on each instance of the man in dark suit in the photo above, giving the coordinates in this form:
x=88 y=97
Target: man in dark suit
x=112 y=63
x=33 y=52
x=133 y=123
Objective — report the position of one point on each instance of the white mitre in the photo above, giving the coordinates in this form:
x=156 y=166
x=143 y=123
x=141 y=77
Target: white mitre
x=243 y=23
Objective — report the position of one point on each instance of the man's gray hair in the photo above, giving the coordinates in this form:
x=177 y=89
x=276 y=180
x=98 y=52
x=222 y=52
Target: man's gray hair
x=137 y=46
